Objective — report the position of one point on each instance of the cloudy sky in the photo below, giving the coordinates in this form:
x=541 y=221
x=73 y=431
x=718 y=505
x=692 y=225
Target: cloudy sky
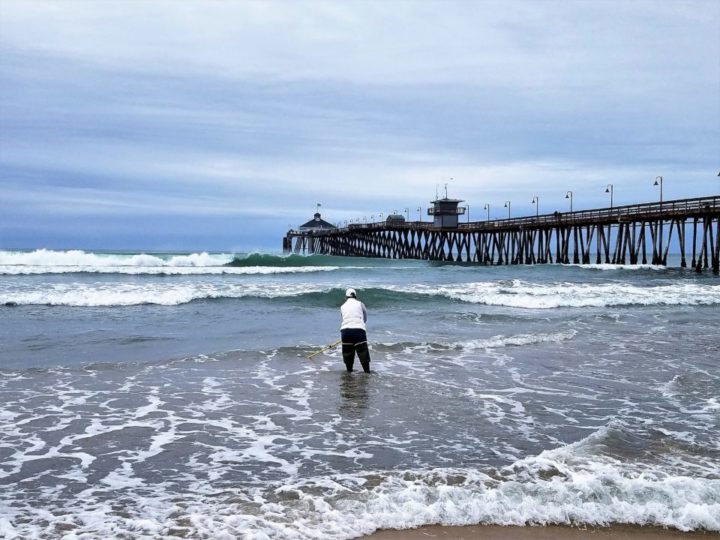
x=215 y=125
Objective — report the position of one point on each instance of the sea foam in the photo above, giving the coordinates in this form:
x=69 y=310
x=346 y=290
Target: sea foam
x=343 y=507
x=79 y=258
x=522 y=294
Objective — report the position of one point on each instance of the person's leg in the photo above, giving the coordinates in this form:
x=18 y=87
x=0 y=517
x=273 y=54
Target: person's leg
x=364 y=355
x=348 y=352
x=348 y=347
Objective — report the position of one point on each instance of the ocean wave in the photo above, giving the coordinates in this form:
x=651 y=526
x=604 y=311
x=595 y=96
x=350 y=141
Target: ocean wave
x=528 y=295
x=79 y=258
x=457 y=497
x=288 y=260
x=522 y=294
x=163 y=270
x=610 y=266
x=43 y=261
x=599 y=480
x=493 y=342
x=511 y=294
x=596 y=493
x=132 y=294
x=115 y=294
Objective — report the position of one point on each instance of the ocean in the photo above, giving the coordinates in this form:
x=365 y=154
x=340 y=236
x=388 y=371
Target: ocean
x=170 y=396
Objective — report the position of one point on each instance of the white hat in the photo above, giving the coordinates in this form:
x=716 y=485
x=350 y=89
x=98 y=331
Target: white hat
x=350 y=293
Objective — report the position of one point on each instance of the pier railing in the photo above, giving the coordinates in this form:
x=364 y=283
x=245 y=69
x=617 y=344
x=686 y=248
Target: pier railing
x=666 y=209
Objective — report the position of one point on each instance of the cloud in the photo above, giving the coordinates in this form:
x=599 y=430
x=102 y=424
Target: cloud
x=511 y=43
x=245 y=111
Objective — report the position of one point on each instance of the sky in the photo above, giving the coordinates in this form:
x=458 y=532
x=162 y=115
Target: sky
x=217 y=125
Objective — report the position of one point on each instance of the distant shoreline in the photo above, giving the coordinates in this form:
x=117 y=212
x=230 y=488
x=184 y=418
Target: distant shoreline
x=549 y=532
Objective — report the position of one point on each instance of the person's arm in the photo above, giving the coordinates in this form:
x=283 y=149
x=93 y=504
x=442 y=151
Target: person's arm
x=364 y=312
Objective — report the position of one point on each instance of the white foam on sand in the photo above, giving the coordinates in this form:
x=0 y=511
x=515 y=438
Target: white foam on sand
x=549 y=489
x=574 y=484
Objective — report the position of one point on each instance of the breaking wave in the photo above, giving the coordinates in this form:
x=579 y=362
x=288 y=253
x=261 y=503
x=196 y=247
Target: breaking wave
x=511 y=294
x=580 y=484
x=284 y=261
x=493 y=342
x=82 y=259
x=43 y=261
x=523 y=294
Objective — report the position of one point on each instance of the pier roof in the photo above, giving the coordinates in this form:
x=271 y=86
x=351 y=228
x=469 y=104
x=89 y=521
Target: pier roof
x=316 y=223
x=446 y=200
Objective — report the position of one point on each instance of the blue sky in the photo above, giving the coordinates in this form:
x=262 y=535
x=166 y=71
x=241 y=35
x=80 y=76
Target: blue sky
x=216 y=125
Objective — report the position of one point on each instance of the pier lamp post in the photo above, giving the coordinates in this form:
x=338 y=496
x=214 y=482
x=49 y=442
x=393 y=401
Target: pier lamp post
x=536 y=202
x=346 y=223
x=468 y=211
x=419 y=213
x=609 y=189
x=569 y=195
x=407 y=213
x=381 y=215
x=659 y=182
x=372 y=218
x=660 y=259
x=507 y=205
x=487 y=207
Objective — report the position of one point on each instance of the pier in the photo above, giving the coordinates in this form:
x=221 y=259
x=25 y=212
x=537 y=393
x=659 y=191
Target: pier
x=634 y=234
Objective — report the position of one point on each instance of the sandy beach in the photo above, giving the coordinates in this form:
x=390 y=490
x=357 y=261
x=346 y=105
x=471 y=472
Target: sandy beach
x=553 y=532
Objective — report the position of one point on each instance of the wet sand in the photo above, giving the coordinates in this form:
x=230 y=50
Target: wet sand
x=496 y=532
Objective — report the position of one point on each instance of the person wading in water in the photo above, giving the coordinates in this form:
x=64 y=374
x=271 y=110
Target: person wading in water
x=353 y=332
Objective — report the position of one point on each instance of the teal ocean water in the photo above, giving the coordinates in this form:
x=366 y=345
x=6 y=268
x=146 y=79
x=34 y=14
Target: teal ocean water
x=169 y=395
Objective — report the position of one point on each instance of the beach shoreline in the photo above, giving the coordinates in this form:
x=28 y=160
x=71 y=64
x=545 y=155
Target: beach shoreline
x=548 y=532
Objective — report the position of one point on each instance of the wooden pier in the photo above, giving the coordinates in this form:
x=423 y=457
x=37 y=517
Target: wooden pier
x=635 y=234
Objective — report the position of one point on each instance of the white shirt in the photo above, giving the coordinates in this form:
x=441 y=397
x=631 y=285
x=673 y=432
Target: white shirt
x=354 y=314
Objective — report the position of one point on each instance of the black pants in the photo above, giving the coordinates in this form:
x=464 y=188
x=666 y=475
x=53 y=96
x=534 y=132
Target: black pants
x=354 y=340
